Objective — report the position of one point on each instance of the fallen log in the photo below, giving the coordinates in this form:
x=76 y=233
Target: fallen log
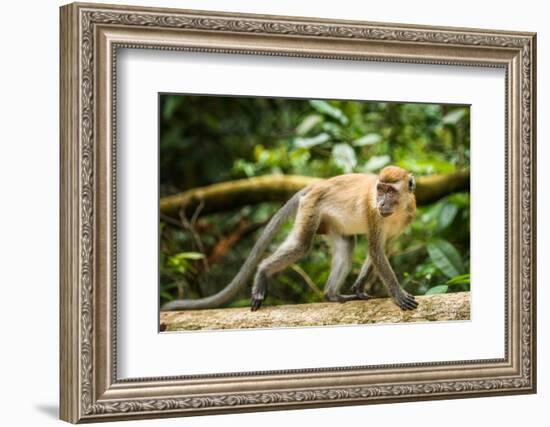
x=439 y=307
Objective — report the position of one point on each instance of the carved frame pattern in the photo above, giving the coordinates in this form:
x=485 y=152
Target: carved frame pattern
x=85 y=396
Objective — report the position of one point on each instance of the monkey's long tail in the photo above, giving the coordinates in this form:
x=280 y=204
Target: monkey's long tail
x=247 y=270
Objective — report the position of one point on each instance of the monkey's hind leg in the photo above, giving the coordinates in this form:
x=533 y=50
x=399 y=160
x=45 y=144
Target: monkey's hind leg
x=340 y=267
x=365 y=281
x=295 y=246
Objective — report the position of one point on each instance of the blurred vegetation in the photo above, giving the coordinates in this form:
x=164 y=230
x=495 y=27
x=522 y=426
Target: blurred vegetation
x=206 y=139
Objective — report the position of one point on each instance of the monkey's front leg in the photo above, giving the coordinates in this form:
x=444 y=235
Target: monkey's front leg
x=382 y=266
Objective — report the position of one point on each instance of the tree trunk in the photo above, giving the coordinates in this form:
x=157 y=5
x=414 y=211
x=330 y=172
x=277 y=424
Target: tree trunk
x=453 y=306
x=279 y=188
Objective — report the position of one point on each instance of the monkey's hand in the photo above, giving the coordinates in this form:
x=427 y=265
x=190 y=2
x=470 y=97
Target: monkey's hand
x=405 y=301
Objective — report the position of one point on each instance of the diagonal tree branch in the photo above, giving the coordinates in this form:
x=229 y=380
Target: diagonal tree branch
x=231 y=195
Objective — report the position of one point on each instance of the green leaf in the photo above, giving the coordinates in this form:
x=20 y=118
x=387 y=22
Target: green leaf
x=376 y=162
x=311 y=142
x=439 y=289
x=189 y=255
x=426 y=166
x=461 y=200
x=299 y=158
x=333 y=129
x=170 y=107
x=178 y=265
x=241 y=165
x=308 y=123
x=463 y=279
x=368 y=139
x=172 y=285
x=344 y=157
x=166 y=295
x=446 y=215
x=454 y=116
x=445 y=256
x=325 y=108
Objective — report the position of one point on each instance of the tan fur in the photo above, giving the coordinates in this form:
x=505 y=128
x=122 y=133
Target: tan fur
x=343 y=203
x=342 y=207
x=392 y=174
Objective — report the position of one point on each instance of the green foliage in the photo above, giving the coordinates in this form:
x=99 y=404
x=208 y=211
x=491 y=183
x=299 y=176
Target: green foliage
x=438 y=289
x=344 y=157
x=463 y=279
x=179 y=263
x=445 y=257
x=205 y=139
x=330 y=111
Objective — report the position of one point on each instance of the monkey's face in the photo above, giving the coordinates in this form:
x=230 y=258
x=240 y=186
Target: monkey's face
x=387 y=197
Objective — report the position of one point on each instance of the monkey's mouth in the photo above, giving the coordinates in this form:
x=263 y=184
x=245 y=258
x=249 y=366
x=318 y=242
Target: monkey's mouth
x=385 y=213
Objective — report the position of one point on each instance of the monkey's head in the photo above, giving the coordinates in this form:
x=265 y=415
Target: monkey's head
x=394 y=190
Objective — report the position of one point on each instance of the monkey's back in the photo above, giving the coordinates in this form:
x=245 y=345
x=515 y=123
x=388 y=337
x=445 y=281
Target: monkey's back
x=342 y=202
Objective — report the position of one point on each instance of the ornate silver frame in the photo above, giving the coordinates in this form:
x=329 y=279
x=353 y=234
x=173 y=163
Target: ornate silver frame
x=90 y=36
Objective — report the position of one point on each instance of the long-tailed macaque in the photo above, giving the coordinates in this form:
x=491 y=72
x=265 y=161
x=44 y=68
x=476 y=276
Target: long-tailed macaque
x=379 y=206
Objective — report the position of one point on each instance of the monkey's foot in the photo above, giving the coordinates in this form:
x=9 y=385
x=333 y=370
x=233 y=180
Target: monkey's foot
x=363 y=296
x=255 y=303
x=259 y=290
x=405 y=301
x=345 y=298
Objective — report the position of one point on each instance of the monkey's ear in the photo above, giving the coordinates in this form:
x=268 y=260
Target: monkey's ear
x=412 y=183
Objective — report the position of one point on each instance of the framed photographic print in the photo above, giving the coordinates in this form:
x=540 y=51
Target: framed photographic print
x=266 y=212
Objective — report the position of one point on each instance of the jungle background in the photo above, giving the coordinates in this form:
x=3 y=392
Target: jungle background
x=205 y=236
